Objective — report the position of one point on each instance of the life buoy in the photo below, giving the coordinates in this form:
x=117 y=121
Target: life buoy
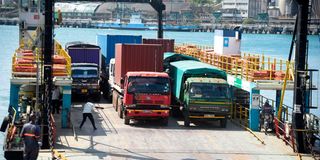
x=59 y=59
x=25 y=69
x=24 y=61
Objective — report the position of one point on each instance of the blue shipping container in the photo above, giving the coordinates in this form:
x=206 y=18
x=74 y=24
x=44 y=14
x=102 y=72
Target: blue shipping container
x=107 y=44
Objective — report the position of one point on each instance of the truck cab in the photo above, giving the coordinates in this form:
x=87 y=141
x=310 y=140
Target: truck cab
x=86 y=80
x=206 y=98
x=146 y=95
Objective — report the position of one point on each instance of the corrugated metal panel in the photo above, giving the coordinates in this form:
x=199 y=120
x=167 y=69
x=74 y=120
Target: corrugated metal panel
x=135 y=57
x=167 y=44
x=107 y=43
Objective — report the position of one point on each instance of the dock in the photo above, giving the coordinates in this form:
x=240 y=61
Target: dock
x=114 y=140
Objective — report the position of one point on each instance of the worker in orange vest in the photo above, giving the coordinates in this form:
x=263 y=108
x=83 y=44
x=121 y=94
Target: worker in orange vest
x=31 y=133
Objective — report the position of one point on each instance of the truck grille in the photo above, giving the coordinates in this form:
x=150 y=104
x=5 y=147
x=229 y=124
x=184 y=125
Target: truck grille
x=150 y=102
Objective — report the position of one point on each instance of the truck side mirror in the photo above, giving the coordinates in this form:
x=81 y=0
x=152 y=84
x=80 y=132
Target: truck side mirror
x=186 y=86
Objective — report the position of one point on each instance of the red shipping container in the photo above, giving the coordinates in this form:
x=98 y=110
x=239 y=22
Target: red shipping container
x=167 y=44
x=137 y=57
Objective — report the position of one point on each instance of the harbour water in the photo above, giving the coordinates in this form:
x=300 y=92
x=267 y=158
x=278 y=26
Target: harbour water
x=273 y=45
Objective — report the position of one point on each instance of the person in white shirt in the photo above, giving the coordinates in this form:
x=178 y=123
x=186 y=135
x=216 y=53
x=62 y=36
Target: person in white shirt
x=55 y=100
x=87 y=112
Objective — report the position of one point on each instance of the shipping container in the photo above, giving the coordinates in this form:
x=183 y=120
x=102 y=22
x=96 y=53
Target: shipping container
x=167 y=44
x=83 y=53
x=107 y=44
x=137 y=57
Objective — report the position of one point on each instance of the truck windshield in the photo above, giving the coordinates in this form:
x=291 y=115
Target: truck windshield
x=79 y=73
x=209 y=90
x=151 y=85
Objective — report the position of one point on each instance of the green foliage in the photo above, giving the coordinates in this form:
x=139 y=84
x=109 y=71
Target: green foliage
x=202 y=2
x=248 y=21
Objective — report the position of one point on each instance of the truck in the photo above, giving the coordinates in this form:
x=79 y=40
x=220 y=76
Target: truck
x=200 y=91
x=140 y=90
x=107 y=44
x=85 y=69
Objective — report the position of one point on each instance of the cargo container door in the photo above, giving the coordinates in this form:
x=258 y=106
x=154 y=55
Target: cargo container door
x=77 y=55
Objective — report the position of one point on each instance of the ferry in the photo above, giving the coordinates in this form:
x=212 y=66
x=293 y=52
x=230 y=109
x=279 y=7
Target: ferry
x=41 y=62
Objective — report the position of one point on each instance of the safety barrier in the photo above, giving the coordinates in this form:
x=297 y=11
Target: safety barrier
x=246 y=66
x=241 y=114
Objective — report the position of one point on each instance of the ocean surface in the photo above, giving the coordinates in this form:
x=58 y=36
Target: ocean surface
x=271 y=44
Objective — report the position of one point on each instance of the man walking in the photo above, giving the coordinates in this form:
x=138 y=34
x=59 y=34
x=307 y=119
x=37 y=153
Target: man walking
x=87 y=112
x=55 y=100
x=31 y=133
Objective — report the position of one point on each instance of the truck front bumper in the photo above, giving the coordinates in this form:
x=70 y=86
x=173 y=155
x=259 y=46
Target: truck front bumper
x=195 y=115
x=147 y=113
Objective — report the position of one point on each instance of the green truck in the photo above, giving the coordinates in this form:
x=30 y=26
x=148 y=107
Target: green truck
x=200 y=91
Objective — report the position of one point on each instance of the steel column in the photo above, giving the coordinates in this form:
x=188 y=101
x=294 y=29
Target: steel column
x=300 y=65
x=47 y=53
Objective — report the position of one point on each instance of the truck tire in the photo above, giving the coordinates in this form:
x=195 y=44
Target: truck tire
x=5 y=122
x=175 y=112
x=126 y=121
x=165 y=121
x=223 y=123
x=186 y=121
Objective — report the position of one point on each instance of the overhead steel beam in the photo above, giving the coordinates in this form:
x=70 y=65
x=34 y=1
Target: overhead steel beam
x=157 y=5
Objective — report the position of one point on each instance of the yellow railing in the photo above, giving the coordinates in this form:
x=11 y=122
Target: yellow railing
x=61 y=52
x=247 y=66
x=240 y=113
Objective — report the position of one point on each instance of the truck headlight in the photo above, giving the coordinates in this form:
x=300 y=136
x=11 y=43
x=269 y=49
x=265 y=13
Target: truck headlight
x=131 y=105
x=225 y=110
x=164 y=106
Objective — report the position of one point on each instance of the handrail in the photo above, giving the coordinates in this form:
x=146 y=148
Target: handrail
x=61 y=52
x=249 y=66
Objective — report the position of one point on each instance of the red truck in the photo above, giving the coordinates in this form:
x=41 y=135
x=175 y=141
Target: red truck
x=141 y=90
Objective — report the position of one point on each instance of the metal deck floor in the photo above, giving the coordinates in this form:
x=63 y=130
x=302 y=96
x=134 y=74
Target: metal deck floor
x=151 y=140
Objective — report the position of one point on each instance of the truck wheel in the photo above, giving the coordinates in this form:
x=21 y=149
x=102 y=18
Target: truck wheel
x=165 y=121
x=223 y=123
x=186 y=121
x=126 y=121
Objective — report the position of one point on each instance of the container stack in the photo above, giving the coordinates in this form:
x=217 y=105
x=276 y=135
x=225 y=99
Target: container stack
x=167 y=44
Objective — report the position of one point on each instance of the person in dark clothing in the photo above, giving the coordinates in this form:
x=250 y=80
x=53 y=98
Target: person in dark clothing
x=31 y=133
x=87 y=112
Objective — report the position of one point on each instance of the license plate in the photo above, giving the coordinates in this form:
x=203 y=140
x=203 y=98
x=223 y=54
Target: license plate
x=147 y=111
x=84 y=90
x=209 y=115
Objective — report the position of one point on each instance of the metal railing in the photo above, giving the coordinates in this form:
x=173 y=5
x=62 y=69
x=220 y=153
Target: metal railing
x=61 y=52
x=240 y=113
x=246 y=66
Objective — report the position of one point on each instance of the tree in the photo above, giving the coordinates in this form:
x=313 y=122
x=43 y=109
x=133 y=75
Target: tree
x=202 y=2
